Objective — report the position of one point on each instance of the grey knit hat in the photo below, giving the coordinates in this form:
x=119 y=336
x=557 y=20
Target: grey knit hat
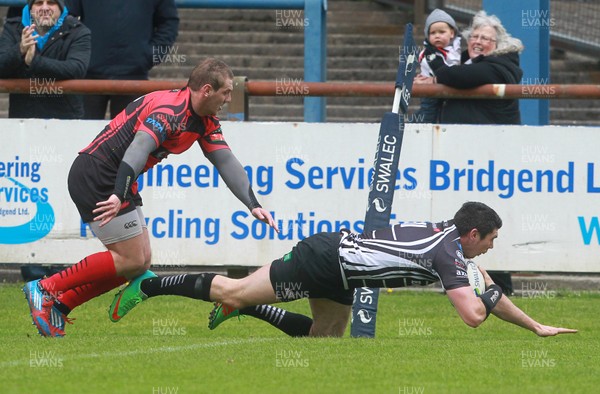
x=438 y=15
x=61 y=4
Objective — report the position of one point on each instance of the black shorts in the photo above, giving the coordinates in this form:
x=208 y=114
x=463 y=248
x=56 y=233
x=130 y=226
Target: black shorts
x=91 y=181
x=311 y=270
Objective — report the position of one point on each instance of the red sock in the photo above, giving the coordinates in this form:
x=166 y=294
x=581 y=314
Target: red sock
x=74 y=297
x=97 y=267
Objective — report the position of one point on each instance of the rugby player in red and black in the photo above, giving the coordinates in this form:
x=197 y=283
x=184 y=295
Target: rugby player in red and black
x=102 y=184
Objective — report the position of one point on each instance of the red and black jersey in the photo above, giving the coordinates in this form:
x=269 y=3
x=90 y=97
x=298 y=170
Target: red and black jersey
x=166 y=115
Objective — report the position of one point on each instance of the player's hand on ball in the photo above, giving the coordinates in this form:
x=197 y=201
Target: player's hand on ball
x=486 y=277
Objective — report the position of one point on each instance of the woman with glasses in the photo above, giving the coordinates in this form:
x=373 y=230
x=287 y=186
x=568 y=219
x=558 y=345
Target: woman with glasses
x=491 y=57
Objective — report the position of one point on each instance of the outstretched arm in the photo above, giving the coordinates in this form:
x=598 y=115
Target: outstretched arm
x=509 y=312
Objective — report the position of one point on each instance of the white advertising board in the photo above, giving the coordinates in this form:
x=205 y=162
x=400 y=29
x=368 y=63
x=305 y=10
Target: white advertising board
x=543 y=181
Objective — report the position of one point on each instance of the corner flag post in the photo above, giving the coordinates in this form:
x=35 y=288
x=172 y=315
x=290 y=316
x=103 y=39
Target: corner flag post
x=381 y=193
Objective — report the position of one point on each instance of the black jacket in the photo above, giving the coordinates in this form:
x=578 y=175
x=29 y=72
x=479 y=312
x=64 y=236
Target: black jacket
x=127 y=36
x=65 y=56
x=493 y=69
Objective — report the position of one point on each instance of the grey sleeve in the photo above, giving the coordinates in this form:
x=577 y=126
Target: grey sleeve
x=133 y=163
x=137 y=154
x=234 y=175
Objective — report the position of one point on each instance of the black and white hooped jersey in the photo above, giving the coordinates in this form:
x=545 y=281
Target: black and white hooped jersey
x=406 y=254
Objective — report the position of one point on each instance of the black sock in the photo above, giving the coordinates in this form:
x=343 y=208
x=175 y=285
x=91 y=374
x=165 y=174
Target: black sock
x=62 y=308
x=195 y=286
x=293 y=324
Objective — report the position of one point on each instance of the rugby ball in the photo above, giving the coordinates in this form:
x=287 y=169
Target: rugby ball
x=476 y=279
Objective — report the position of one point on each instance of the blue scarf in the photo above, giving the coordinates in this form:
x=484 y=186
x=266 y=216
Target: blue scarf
x=42 y=40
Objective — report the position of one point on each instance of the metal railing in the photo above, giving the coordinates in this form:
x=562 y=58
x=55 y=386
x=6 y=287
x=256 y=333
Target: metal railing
x=244 y=90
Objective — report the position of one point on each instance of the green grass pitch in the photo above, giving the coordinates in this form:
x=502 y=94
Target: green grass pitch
x=421 y=346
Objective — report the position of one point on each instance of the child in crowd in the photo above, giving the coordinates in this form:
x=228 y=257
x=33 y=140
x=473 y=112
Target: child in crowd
x=442 y=47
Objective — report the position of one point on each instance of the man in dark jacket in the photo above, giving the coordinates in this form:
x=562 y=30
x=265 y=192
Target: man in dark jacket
x=126 y=36
x=44 y=45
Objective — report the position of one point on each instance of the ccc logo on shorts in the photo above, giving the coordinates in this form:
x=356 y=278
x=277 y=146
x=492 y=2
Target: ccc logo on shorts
x=131 y=224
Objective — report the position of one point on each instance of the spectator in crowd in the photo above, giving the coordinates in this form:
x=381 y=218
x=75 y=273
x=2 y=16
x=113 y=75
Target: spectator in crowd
x=442 y=42
x=44 y=45
x=125 y=37
x=492 y=57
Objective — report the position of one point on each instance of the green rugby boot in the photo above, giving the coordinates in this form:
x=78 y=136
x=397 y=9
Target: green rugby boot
x=220 y=313
x=128 y=297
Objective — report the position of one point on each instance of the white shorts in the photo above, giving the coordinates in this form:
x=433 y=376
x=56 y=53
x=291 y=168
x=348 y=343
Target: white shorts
x=120 y=228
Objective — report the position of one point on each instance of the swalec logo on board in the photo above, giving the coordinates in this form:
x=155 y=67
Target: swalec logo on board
x=25 y=214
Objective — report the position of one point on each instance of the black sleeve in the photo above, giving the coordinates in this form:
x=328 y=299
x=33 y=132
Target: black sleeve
x=467 y=76
x=11 y=61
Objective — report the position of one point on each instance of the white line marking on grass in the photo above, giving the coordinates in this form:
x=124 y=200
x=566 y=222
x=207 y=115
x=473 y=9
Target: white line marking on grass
x=128 y=353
